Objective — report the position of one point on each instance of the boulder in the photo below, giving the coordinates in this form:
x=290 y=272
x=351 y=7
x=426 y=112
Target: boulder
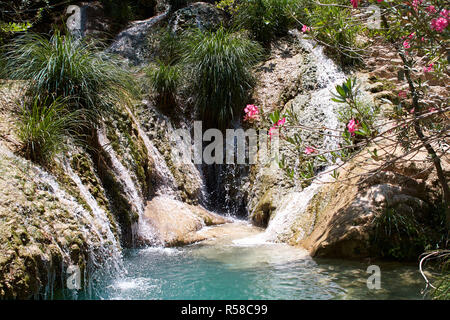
x=345 y=214
x=176 y=223
x=200 y=15
x=132 y=42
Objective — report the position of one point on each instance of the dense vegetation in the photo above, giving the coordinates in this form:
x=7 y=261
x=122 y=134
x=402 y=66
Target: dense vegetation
x=70 y=81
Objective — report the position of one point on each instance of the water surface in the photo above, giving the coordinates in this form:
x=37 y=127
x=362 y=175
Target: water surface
x=228 y=268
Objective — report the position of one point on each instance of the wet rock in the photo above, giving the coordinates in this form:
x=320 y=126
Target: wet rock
x=131 y=43
x=176 y=223
x=200 y=15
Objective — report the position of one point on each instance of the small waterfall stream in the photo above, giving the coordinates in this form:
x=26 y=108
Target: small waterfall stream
x=104 y=253
x=294 y=204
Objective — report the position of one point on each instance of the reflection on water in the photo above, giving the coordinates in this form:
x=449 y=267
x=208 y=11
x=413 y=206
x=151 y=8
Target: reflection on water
x=223 y=268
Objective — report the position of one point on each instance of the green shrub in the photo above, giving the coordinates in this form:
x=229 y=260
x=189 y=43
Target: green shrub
x=265 y=19
x=164 y=79
x=399 y=236
x=170 y=47
x=66 y=68
x=44 y=127
x=334 y=27
x=441 y=285
x=219 y=68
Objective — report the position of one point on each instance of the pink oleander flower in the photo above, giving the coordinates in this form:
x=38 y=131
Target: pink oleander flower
x=352 y=126
x=431 y=9
x=412 y=35
x=402 y=94
x=305 y=28
x=281 y=122
x=415 y=4
x=251 y=112
x=439 y=24
x=273 y=131
x=422 y=39
x=354 y=3
x=406 y=44
x=428 y=68
x=309 y=150
x=380 y=1
x=444 y=13
x=412 y=110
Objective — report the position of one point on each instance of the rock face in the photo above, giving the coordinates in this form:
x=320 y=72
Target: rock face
x=330 y=220
x=200 y=15
x=345 y=214
x=176 y=223
x=131 y=43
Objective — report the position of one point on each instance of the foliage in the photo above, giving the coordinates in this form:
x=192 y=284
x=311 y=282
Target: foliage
x=398 y=236
x=44 y=126
x=170 y=47
x=229 y=6
x=265 y=19
x=219 y=68
x=122 y=11
x=64 y=67
x=164 y=79
x=334 y=27
x=441 y=289
x=362 y=113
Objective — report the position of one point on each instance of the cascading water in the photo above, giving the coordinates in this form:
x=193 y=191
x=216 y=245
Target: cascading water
x=166 y=184
x=134 y=195
x=130 y=43
x=294 y=204
x=104 y=254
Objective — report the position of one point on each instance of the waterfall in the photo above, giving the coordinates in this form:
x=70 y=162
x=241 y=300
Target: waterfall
x=291 y=213
x=166 y=184
x=135 y=198
x=104 y=251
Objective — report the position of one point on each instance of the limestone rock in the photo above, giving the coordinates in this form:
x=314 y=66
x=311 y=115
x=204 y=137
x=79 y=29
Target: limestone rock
x=201 y=15
x=344 y=213
x=176 y=223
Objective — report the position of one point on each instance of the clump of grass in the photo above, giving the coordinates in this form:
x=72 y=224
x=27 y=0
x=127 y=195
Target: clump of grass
x=44 y=128
x=164 y=79
x=219 y=68
x=401 y=236
x=170 y=47
x=62 y=67
x=265 y=19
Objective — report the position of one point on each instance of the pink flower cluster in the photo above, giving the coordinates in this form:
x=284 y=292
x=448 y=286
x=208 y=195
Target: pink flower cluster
x=309 y=150
x=273 y=130
x=428 y=68
x=440 y=23
x=416 y=3
x=251 y=112
x=354 y=3
x=305 y=28
x=403 y=94
x=352 y=126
